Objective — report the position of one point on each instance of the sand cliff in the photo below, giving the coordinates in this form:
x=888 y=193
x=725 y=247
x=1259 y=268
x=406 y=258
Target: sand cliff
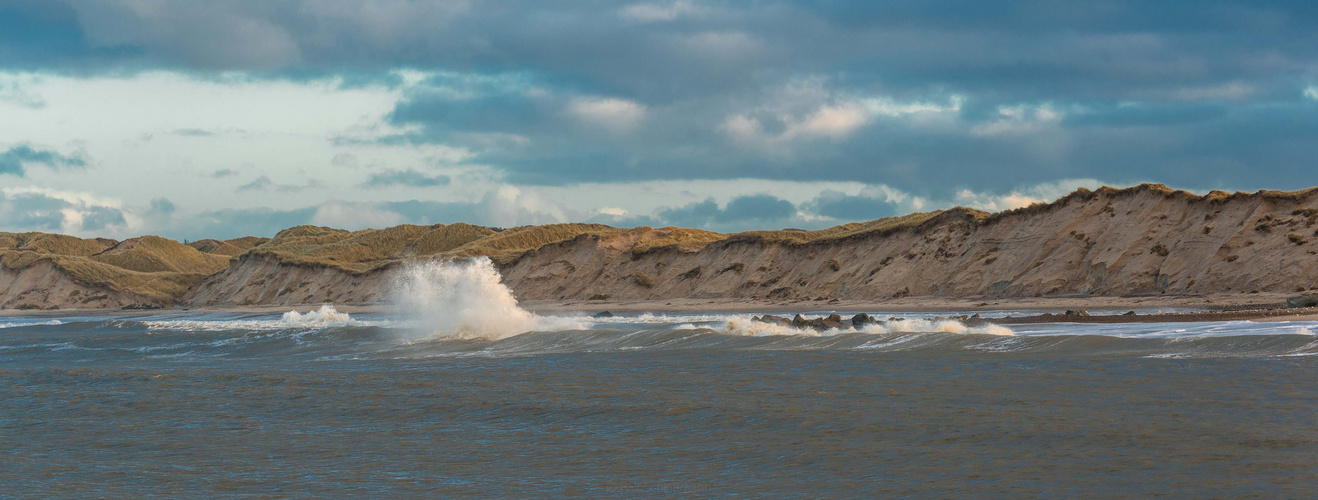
x=1145 y=240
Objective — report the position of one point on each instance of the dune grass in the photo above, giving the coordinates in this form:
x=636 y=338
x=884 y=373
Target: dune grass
x=506 y=246
x=679 y=238
x=217 y=247
x=157 y=269
x=797 y=237
x=153 y=254
x=444 y=238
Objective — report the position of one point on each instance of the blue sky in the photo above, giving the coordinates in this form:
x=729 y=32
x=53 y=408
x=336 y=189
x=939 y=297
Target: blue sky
x=226 y=118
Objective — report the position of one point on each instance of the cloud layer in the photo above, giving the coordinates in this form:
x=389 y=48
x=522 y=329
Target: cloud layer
x=515 y=112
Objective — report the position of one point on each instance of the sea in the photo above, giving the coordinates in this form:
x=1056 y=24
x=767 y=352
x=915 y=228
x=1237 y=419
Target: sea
x=410 y=402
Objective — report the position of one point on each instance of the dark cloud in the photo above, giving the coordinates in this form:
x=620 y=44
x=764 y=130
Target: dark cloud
x=14 y=160
x=40 y=211
x=753 y=210
x=407 y=177
x=844 y=207
x=162 y=206
x=1200 y=94
x=263 y=183
x=224 y=172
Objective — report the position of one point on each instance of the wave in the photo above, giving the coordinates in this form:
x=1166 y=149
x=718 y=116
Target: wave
x=465 y=299
x=344 y=340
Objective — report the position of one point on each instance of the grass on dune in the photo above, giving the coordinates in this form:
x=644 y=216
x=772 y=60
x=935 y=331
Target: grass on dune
x=508 y=245
x=444 y=238
x=153 y=254
x=843 y=231
x=680 y=238
x=158 y=269
x=58 y=244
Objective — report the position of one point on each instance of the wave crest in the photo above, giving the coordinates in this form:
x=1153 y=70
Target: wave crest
x=465 y=299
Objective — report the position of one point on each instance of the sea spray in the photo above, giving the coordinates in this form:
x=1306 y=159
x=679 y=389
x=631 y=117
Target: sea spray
x=465 y=299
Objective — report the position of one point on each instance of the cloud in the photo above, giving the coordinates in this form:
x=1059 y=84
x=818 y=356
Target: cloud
x=654 y=12
x=1311 y=92
x=193 y=132
x=1023 y=197
x=1017 y=120
x=31 y=208
x=354 y=215
x=751 y=209
x=407 y=177
x=224 y=172
x=345 y=160
x=15 y=160
x=263 y=183
x=613 y=113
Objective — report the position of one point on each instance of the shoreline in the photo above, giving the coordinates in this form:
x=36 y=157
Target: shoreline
x=1149 y=309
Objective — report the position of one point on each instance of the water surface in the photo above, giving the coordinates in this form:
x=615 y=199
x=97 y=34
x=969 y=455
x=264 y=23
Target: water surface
x=655 y=405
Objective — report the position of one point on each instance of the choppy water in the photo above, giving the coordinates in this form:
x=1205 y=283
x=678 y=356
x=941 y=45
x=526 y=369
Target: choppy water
x=655 y=405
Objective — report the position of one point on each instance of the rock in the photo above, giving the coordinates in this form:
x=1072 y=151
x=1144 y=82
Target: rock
x=604 y=314
x=774 y=320
x=1308 y=300
x=1129 y=313
x=799 y=321
x=861 y=319
x=1076 y=312
x=832 y=321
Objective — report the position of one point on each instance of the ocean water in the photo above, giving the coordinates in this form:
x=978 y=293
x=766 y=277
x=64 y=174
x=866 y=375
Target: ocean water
x=326 y=404
x=460 y=392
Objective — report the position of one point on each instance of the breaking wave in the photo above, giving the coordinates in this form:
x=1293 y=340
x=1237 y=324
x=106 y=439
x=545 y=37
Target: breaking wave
x=324 y=317
x=465 y=299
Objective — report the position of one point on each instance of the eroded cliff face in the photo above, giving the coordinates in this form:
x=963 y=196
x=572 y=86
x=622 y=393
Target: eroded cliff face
x=1145 y=240
x=264 y=280
x=43 y=286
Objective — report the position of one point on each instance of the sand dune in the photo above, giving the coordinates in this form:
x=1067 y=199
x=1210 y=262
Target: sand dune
x=1146 y=240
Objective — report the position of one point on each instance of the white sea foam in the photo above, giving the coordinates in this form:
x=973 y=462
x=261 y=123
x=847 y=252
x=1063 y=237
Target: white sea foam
x=464 y=299
x=324 y=317
x=19 y=324
x=751 y=328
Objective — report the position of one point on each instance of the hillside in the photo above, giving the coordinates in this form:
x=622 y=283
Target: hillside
x=1144 y=240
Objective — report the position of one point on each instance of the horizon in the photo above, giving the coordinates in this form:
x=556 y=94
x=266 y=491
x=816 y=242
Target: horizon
x=195 y=121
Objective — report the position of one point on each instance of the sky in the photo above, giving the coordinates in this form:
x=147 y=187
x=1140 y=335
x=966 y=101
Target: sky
x=234 y=117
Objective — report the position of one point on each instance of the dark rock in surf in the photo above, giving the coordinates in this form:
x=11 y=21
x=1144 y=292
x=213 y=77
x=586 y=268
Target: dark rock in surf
x=800 y=321
x=1076 y=312
x=604 y=314
x=1308 y=300
x=861 y=320
x=1129 y=313
x=774 y=320
x=832 y=321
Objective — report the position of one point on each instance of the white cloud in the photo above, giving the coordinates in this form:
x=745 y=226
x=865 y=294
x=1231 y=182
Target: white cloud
x=354 y=216
x=1311 y=92
x=510 y=206
x=1017 y=120
x=615 y=114
x=1024 y=196
x=807 y=109
x=653 y=12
